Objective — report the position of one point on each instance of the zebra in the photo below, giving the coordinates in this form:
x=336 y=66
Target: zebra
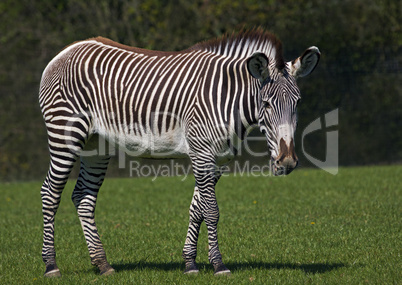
x=200 y=102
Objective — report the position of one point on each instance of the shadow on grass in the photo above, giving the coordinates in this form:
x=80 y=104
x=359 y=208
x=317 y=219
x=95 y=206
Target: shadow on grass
x=315 y=268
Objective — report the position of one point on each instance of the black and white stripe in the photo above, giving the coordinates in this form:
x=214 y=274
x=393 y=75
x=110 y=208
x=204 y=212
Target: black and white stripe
x=198 y=103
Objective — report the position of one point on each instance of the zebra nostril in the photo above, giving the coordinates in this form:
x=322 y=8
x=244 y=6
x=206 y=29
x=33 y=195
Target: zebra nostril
x=289 y=163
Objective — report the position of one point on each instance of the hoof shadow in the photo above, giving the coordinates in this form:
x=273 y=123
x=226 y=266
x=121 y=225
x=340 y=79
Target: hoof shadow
x=316 y=268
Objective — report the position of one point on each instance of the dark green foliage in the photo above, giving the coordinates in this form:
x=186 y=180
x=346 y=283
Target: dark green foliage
x=360 y=69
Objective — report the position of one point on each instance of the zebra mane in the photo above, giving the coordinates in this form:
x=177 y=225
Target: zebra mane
x=244 y=43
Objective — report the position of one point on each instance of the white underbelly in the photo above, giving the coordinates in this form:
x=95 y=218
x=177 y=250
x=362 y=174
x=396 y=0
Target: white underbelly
x=171 y=144
x=168 y=144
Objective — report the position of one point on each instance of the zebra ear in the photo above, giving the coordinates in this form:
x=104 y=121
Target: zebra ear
x=257 y=65
x=305 y=64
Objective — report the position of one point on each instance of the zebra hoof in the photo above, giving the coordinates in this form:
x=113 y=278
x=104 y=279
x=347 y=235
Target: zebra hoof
x=105 y=269
x=221 y=270
x=110 y=271
x=191 y=270
x=52 y=271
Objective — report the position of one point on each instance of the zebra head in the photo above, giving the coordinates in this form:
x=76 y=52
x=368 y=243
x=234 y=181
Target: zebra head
x=278 y=98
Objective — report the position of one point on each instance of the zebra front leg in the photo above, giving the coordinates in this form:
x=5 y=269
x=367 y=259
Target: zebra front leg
x=190 y=246
x=92 y=174
x=211 y=218
x=207 y=207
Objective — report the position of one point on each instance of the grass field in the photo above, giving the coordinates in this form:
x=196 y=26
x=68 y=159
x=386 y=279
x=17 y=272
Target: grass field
x=306 y=228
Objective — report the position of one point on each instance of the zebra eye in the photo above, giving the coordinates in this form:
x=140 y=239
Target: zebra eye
x=266 y=105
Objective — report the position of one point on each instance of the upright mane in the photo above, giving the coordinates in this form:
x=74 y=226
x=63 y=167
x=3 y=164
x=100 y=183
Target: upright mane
x=244 y=43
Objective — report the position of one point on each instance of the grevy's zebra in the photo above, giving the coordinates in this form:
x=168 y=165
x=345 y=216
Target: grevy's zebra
x=198 y=102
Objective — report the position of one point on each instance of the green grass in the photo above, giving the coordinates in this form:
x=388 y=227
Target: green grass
x=309 y=227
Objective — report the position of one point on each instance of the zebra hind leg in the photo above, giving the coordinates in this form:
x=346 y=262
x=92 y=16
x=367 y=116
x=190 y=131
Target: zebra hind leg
x=63 y=153
x=51 y=191
x=92 y=174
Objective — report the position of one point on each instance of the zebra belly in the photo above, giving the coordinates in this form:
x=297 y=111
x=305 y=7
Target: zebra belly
x=172 y=144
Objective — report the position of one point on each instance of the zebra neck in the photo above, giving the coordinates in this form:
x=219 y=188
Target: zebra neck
x=248 y=111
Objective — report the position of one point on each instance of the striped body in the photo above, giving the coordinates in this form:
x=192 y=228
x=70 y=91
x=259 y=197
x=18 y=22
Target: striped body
x=199 y=102
x=121 y=90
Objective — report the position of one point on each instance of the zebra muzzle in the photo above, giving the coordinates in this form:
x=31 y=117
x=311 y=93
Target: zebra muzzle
x=287 y=159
